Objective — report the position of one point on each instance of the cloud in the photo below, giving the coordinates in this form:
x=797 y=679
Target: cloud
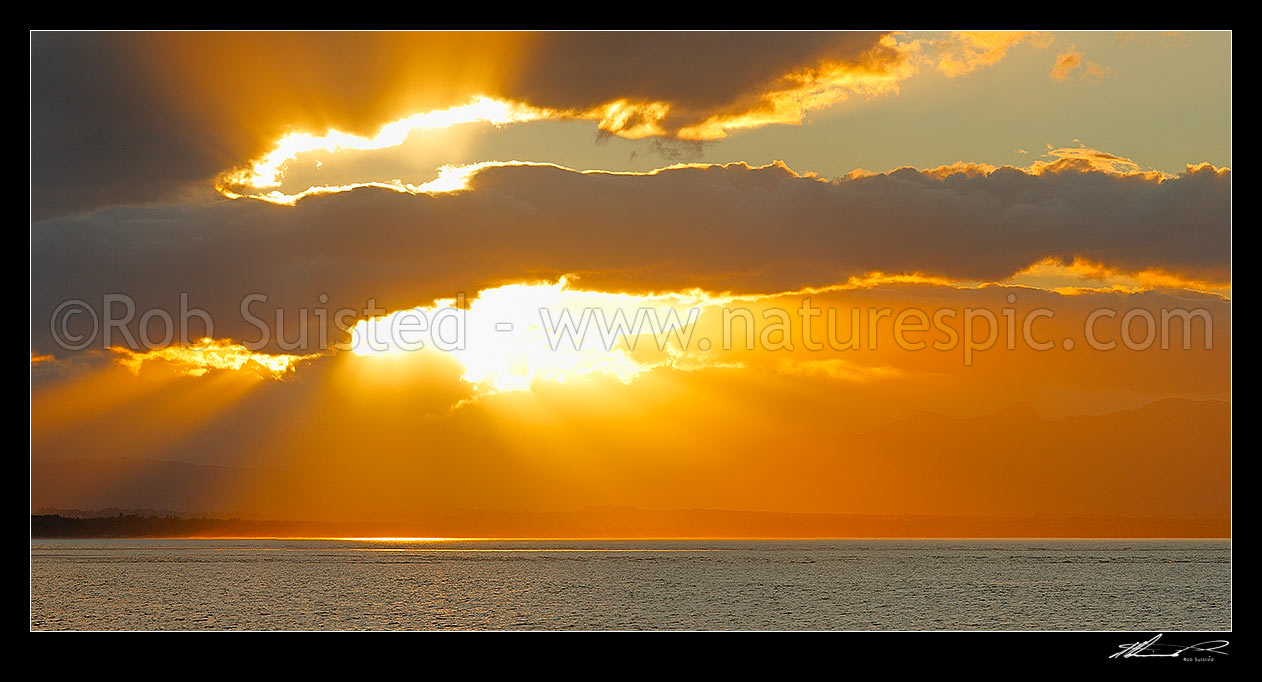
x=133 y=117
x=1071 y=60
x=127 y=118
x=207 y=354
x=1095 y=71
x=717 y=228
x=1065 y=63
x=668 y=82
x=101 y=133
x=1084 y=158
x=963 y=52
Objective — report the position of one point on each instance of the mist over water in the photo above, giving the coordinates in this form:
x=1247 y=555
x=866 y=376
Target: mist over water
x=654 y=584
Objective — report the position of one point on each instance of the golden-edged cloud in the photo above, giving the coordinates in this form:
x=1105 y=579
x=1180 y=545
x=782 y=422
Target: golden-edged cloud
x=115 y=119
x=715 y=228
x=209 y=354
x=963 y=52
x=265 y=173
x=145 y=139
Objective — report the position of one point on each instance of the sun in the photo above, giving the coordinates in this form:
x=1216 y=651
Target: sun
x=508 y=337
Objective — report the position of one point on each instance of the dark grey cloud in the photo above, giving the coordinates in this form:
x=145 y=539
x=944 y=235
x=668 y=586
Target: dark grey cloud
x=127 y=118
x=101 y=131
x=698 y=73
x=719 y=228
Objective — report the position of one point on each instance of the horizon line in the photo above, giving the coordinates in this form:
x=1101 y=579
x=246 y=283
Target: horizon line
x=402 y=539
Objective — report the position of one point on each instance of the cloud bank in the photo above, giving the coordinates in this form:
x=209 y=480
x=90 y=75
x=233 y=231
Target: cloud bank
x=718 y=228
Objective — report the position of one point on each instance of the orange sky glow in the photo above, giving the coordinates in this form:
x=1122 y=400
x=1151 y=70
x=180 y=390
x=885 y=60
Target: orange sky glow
x=454 y=285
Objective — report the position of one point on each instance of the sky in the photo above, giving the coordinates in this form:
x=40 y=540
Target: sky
x=404 y=277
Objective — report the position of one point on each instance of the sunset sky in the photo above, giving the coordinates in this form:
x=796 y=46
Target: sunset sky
x=510 y=179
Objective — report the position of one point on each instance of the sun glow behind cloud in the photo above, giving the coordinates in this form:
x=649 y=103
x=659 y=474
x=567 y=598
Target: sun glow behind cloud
x=508 y=337
x=267 y=172
x=786 y=100
x=514 y=335
x=264 y=178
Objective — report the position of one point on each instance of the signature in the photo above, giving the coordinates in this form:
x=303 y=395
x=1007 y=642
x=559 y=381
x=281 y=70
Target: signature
x=1153 y=649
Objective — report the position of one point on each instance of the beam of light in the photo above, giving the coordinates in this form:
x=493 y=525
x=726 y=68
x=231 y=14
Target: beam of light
x=212 y=354
x=109 y=399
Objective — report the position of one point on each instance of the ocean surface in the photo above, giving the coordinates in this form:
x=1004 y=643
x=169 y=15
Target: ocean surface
x=652 y=584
